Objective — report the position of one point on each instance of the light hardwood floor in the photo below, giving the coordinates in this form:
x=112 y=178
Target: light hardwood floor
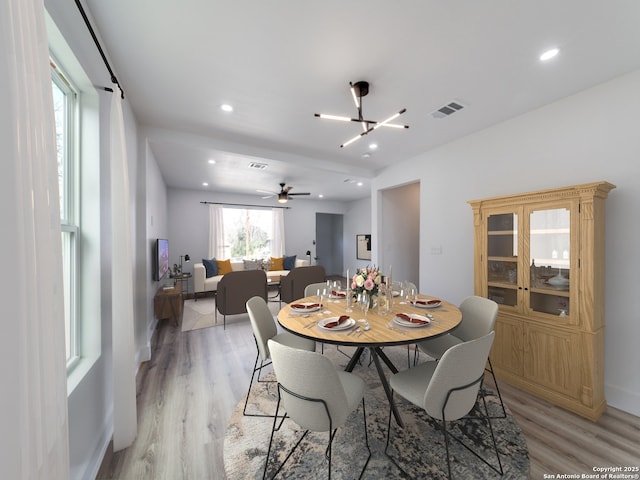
x=186 y=394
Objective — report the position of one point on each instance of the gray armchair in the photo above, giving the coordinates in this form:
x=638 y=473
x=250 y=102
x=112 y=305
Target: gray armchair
x=292 y=286
x=235 y=288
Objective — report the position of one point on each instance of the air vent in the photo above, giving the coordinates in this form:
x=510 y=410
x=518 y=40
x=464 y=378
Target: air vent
x=447 y=110
x=258 y=166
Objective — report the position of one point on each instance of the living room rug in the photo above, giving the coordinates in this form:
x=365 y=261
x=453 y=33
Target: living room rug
x=418 y=448
x=200 y=314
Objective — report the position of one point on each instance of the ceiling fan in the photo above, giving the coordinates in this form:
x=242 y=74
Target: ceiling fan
x=284 y=194
x=359 y=90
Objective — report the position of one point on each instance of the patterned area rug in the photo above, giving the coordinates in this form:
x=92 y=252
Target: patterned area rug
x=418 y=448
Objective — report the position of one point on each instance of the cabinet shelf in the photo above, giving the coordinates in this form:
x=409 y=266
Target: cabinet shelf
x=511 y=286
x=559 y=292
x=549 y=340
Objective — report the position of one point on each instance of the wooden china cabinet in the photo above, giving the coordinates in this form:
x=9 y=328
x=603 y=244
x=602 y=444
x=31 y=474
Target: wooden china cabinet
x=540 y=256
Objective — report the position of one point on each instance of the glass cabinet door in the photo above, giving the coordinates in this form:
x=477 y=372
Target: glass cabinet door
x=502 y=258
x=549 y=259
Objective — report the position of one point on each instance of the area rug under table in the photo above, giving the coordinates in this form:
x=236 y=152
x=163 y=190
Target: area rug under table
x=418 y=448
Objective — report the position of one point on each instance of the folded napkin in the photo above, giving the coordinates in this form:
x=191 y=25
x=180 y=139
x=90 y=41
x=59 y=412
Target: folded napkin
x=303 y=306
x=426 y=302
x=340 y=321
x=335 y=293
x=411 y=319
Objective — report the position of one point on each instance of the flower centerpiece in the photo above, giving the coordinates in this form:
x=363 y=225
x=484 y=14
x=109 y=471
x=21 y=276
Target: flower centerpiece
x=366 y=280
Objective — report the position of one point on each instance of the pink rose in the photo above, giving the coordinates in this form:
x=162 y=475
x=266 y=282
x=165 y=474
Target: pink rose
x=368 y=284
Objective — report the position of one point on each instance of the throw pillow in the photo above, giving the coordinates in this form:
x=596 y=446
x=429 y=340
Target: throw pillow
x=289 y=262
x=252 y=264
x=210 y=267
x=224 y=267
x=276 y=263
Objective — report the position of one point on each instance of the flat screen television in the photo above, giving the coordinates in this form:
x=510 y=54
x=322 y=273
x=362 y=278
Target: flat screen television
x=160 y=259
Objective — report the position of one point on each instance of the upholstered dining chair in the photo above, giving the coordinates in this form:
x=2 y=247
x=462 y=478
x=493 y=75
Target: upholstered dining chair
x=448 y=390
x=312 y=289
x=235 y=288
x=315 y=395
x=265 y=329
x=478 y=318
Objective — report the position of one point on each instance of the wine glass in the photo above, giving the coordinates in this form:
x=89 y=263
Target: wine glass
x=364 y=301
x=403 y=293
x=412 y=295
x=348 y=301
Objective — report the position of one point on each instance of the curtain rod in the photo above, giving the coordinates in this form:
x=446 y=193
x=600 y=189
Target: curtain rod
x=104 y=58
x=242 y=205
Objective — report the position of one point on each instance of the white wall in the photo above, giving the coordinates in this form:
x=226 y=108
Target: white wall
x=587 y=137
x=189 y=222
x=357 y=220
x=398 y=247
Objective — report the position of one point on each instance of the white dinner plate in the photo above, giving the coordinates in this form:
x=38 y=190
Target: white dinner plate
x=427 y=303
x=307 y=307
x=350 y=322
x=404 y=323
x=337 y=297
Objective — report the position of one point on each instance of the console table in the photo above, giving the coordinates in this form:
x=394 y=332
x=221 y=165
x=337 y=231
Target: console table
x=168 y=302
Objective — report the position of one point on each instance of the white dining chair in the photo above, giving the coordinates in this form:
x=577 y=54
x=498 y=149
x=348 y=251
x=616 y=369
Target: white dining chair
x=448 y=391
x=315 y=396
x=478 y=318
x=265 y=329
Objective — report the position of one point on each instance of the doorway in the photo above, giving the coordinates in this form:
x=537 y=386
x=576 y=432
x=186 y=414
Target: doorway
x=400 y=212
x=329 y=242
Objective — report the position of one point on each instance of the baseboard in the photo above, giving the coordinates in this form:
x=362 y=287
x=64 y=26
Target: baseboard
x=91 y=468
x=623 y=399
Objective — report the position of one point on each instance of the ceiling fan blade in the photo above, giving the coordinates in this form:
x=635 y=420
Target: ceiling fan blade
x=305 y=193
x=267 y=191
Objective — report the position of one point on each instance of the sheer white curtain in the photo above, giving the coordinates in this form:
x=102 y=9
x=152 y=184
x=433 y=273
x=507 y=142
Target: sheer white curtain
x=33 y=404
x=277 y=234
x=216 y=232
x=124 y=382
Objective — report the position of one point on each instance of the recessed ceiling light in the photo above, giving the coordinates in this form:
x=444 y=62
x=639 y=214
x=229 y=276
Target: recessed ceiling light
x=320 y=196
x=205 y=184
x=359 y=184
x=549 y=54
x=212 y=161
x=226 y=107
x=366 y=155
x=373 y=146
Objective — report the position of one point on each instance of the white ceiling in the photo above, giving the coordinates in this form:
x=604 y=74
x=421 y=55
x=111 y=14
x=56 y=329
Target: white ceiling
x=280 y=61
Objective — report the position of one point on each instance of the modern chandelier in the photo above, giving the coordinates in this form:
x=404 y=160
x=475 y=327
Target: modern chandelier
x=358 y=90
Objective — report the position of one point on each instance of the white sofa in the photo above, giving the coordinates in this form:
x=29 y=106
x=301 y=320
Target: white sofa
x=203 y=284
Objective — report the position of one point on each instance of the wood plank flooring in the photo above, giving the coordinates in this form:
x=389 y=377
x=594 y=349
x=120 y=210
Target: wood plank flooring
x=186 y=394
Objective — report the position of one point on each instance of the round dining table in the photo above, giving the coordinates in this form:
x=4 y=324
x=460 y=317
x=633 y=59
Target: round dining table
x=306 y=318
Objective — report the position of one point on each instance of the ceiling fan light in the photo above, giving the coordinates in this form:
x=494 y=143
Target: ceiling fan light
x=282 y=198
